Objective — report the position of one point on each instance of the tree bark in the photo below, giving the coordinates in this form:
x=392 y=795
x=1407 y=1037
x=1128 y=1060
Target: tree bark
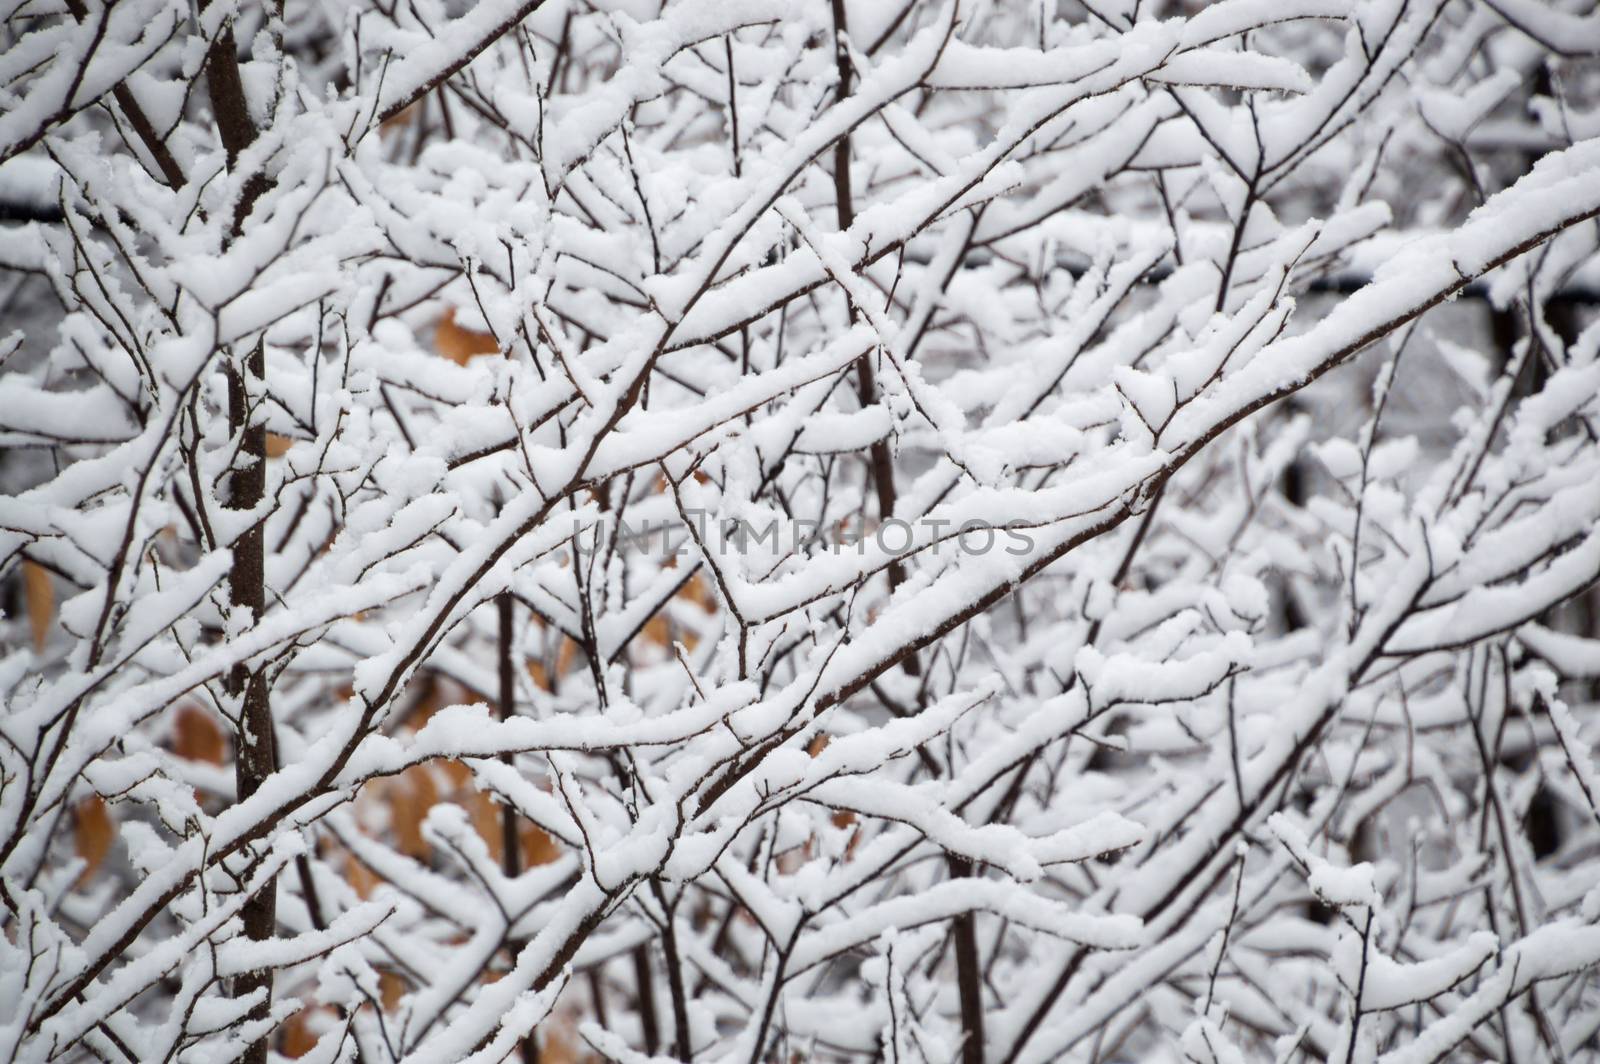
x=255 y=753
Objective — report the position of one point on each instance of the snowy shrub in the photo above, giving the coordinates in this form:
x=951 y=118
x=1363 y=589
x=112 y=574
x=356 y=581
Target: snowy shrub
x=800 y=530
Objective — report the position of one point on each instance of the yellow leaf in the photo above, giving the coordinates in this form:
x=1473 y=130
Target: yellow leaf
x=538 y=848
x=399 y=121
x=410 y=800
x=92 y=833
x=40 y=596
x=390 y=987
x=360 y=877
x=485 y=815
x=196 y=737
x=297 y=1038
x=458 y=344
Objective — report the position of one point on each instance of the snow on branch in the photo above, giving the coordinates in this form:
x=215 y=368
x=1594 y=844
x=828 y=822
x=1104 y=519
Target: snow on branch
x=810 y=530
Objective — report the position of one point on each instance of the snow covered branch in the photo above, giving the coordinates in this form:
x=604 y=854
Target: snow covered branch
x=810 y=530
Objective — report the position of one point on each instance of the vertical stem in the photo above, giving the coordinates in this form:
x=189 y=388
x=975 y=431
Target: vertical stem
x=680 y=1001
x=733 y=107
x=647 y=998
x=510 y=841
x=968 y=973
x=882 y=472
x=256 y=755
x=969 y=977
x=232 y=114
x=308 y=888
x=841 y=147
x=597 y=997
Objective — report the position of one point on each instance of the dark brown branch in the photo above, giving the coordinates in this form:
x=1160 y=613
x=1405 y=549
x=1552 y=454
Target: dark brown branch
x=882 y=465
x=969 y=974
x=494 y=34
x=255 y=756
x=142 y=126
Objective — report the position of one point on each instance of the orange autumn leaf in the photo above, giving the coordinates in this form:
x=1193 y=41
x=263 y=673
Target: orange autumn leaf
x=92 y=833
x=658 y=630
x=391 y=987
x=538 y=848
x=698 y=590
x=459 y=344
x=39 y=594
x=196 y=736
x=566 y=654
x=485 y=815
x=410 y=799
x=455 y=771
x=556 y=1046
x=399 y=121
x=278 y=446
x=298 y=1038
x=361 y=878
x=841 y=818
